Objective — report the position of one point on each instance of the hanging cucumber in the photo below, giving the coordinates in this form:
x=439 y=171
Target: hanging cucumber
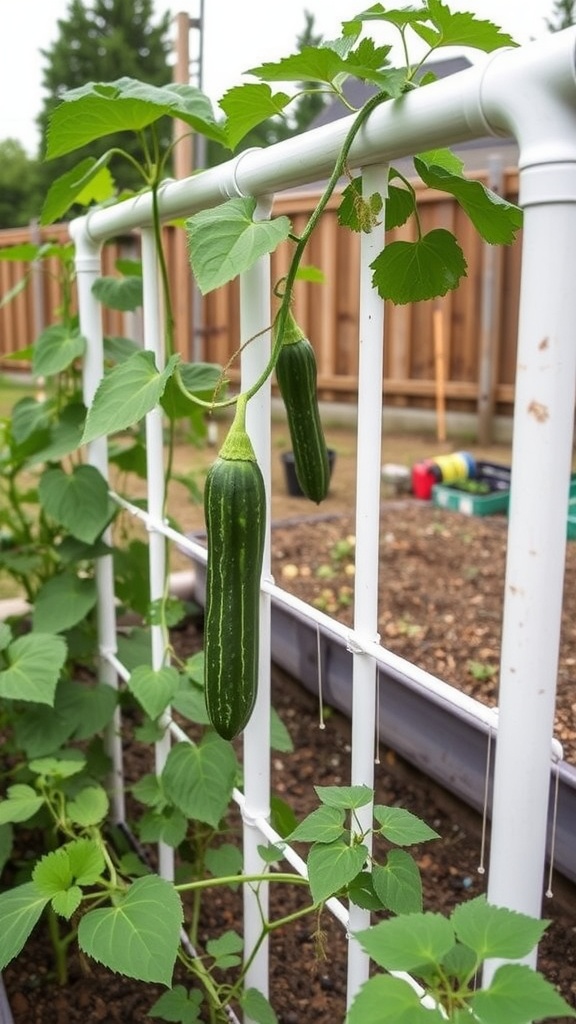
x=296 y=375
x=235 y=511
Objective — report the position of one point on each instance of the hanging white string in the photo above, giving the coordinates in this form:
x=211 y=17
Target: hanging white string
x=481 y=867
x=377 y=730
x=321 y=723
x=549 y=892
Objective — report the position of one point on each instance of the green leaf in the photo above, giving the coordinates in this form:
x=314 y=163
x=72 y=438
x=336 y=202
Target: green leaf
x=178 y=1005
x=21 y=804
x=87 y=181
x=34 y=665
x=126 y=394
x=199 y=779
x=6 y=635
x=153 y=688
x=64 y=766
x=401 y=827
x=257 y=1008
x=20 y=909
x=56 y=349
x=324 y=825
x=64 y=437
x=407 y=942
x=123 y=293
x=383 y=999
x=190 y=701
x=77 y=500
x=495 y=219
x=62 y=602
x=518 y=995
x=29 y=417
x=282 y=817
x=223 y=860
x=248 y=105
x=311 y=64
x=148 y=790
x=348 y=797
x=103 y=108
x=332 y=866
x=453 y=28
x=89 y=806
x=118 y=349
x=6 y=838
x=166 y=826
x=225 y=241
x=325 y=64
x=280 y=738
x=86 y=860
x=361 y=892
x=89 y=707
x=445 y=158
x=11 y=294
x=67 y=902
x=225 y=950
x=496 y=931
x=138 y=936
x=412 y=271
x=397 y=883
x=26 y=252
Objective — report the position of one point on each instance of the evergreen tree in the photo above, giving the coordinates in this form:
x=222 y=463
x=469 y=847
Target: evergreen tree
x=563 y=15
x=100 y=42
x=19 y=196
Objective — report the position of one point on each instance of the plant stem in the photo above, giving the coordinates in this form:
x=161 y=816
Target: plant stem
x=205 y=883
x=282 y=316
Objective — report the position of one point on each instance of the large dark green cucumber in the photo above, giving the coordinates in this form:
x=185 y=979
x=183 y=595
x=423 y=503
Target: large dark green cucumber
x=235 y=510
x=296 y=374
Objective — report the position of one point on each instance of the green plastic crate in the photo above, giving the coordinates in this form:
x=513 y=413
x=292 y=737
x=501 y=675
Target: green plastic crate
x=468 y=503
x=458 y=500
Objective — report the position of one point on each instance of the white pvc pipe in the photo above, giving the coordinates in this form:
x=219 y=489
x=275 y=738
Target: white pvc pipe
x=446 y=112
x=154 y=342
x=541 y=465
x=255 y=319
x=369 y=462
x=88 y=270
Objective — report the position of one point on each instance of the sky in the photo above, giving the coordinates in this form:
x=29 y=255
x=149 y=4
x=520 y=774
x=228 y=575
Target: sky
x=238 y=34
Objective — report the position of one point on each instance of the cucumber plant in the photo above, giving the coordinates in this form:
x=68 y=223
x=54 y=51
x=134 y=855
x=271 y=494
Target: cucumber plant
x=83 y=880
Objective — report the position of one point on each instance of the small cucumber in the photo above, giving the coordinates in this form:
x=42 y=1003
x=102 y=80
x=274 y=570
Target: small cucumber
x=235 y=511
x=296 y=374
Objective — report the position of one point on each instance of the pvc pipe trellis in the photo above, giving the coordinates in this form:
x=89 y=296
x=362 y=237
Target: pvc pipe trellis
x=529 y=93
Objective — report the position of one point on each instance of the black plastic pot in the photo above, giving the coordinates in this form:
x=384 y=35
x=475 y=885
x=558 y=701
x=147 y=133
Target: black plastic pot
x=292 y=485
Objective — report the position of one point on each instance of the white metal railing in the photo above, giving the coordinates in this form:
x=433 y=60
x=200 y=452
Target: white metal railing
x=530 y=94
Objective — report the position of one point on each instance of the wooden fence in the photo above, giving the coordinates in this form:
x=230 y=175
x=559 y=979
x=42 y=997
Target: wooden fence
x=472 y=330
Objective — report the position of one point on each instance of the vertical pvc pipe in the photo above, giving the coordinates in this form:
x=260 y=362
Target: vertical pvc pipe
x=255 y=317
x=369 y=463
x=154 y=342
x=88 y=269
x=541 y=465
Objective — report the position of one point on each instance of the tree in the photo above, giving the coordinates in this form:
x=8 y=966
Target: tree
x=563 y=15
x=101 y=42
x=19 y=192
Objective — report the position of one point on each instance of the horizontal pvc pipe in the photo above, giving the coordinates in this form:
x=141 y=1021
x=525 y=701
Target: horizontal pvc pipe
x=475 y=103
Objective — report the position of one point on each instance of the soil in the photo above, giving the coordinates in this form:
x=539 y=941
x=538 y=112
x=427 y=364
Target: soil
x=441 y=596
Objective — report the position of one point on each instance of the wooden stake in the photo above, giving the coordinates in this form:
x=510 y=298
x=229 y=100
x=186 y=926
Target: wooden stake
x=440 y=366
